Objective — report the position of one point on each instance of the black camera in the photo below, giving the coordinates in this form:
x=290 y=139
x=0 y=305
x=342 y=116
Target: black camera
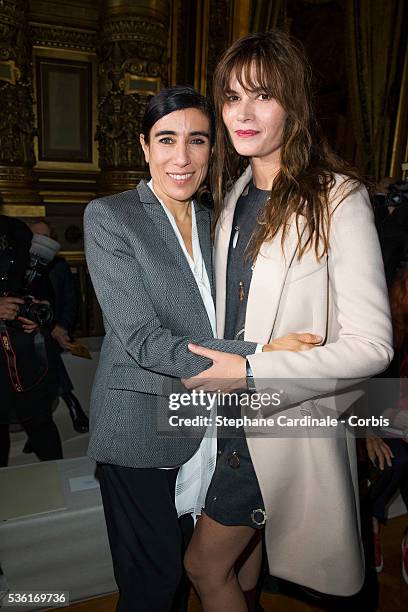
x=42 y=251
x=39 y=313
x=397 y=194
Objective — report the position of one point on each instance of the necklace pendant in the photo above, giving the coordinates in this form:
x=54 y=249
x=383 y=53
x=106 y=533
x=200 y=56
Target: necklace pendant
x=241 y=291
x=236 y=236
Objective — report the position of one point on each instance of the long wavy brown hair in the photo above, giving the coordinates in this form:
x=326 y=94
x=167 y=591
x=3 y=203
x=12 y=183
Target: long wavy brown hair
x=276 y=64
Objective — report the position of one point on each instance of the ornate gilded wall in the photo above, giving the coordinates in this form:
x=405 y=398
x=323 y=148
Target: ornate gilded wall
x=16 y=103
x=133 y=64
x=119 y=52
x=75 y=77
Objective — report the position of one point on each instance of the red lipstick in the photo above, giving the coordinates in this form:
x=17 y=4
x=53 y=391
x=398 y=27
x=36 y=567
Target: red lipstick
x=246 y=133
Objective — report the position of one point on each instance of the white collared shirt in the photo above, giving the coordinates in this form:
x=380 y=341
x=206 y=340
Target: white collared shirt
x=194 y=477
x=196 y=262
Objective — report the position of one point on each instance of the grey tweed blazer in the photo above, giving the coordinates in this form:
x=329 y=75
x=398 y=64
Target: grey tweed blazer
x=152 y=308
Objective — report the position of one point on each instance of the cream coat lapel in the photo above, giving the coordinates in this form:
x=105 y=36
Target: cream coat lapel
x=268 y=279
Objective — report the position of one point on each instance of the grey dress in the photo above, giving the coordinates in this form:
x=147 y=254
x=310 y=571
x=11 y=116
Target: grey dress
x=234 y=496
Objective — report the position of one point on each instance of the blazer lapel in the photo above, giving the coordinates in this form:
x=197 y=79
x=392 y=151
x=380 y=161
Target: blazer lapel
x=156 y=213
x=203 y=220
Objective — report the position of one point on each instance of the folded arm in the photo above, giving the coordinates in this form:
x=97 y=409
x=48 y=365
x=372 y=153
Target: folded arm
x=364 y=344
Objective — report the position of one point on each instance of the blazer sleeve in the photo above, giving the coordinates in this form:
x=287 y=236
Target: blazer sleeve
x=117 y=278
x=360 y=307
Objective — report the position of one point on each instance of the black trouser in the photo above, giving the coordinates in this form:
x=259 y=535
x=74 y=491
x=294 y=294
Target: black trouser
x=391 y=480
x=43 y=434
x=147 y=540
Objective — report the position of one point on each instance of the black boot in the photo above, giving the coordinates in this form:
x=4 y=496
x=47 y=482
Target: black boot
x=79 y=419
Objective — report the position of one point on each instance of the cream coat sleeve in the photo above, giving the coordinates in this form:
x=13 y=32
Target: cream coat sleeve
x=359 y=340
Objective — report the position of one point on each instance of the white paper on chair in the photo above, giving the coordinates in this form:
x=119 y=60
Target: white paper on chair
x=83 y=483
x=32 y=489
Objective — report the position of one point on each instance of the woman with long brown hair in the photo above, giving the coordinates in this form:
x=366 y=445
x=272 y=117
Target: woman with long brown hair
x=296 y=249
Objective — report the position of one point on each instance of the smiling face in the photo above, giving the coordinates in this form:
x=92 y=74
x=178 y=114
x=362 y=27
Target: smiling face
x=255 y=122
x=178 y=153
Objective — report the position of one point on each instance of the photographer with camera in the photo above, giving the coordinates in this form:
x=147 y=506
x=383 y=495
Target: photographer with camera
x=65 y=314
x=27 y=374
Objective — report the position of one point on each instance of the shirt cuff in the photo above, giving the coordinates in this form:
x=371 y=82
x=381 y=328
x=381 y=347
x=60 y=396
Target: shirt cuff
x=259 y=348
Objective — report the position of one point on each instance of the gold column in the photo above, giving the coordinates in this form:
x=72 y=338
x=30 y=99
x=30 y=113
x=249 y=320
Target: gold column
x=400 y=144
x=17 y=186
x=133 y=53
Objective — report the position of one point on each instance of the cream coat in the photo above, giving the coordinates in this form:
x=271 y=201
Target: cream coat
x=309 y=484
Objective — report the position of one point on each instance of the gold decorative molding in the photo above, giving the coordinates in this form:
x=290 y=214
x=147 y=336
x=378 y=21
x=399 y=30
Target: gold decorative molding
x=241 y=18
x=16 y=101
x=400 y=143
x=17 y=129
x=132 y=52
x=201 y=48
x=66 y=180
x=67 y=197
x=148 y=86
x=73 y=257
x=14 y=174
x=221 y=20
x=154 y=9
x=62 y=37
x=74 y=13
x=9 y=72
x=14 y=13
x=18 y=186
x=16 y=210
x=112 y=181
x=174 y=39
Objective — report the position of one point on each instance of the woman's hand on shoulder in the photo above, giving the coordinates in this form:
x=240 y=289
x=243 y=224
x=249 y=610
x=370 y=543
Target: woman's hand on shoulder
x=294 y=342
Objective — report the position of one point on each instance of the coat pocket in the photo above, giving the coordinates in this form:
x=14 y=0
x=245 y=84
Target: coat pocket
x=133 y=378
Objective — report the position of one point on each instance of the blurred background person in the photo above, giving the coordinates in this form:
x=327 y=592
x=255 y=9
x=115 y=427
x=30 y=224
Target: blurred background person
x=390 y=204
x=66 y=308
x=390 y=455
x=27 y=370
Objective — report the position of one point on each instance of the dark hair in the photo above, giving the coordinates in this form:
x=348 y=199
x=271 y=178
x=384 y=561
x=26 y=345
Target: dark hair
x=180 y=97
x=276 y=64
x=399 y=308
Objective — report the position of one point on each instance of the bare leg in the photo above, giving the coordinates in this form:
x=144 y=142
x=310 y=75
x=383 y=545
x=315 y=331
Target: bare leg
x=210 y=563
x=250 y=568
